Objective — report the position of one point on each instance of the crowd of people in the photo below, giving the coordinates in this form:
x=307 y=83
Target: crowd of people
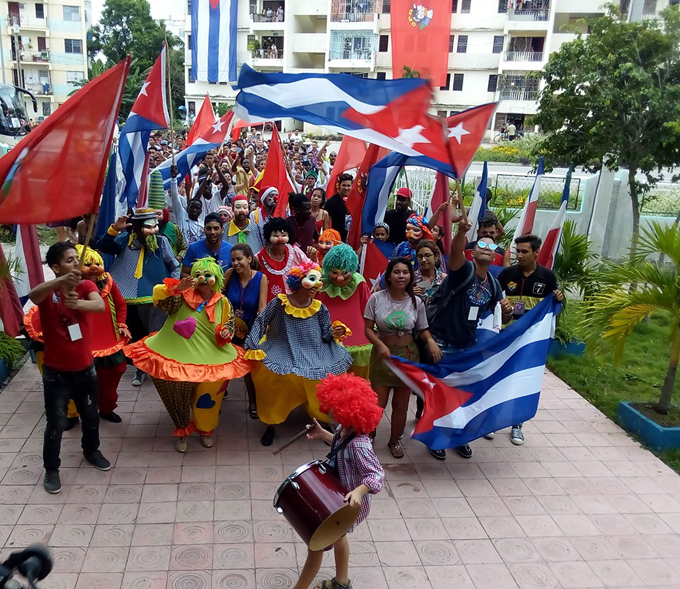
x=207 y=285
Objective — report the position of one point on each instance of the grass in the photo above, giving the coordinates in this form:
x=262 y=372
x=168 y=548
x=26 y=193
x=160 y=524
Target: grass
x=637 y=378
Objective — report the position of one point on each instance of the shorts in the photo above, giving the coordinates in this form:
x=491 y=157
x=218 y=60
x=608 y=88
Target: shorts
x=380 y=375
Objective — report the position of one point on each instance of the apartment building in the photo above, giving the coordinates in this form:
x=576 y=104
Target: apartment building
x=495 y=47
x=43 y=49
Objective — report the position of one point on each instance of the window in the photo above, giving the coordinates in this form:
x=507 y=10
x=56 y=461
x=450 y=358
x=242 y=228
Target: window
x=72 y=13
x=381 y=76
x=462 y=44
x=441 y=113
x=649 y=8
x=386 y=6
x=383 y=43
x=74 y=76
x=498 y=44
x=454 y=6
x=192 y=107
x=493 y=83
x=73 y=45
x=39 y=11
x=448 y=83
x=188 y=6
x=46 y=111
x=502 y=6
x=457 y=82
x=465 y=7
x=452 y=40
x=189 y=41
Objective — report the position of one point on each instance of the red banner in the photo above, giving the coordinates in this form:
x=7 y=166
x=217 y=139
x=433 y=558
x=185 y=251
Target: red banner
x=420 y=38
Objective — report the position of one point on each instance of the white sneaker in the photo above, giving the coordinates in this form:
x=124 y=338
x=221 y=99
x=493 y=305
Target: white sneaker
x=490 y=436
x=516 y=435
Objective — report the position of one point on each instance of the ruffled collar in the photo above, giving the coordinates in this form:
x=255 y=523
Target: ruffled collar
x=299 y=312
x=105 y=289
x=344 y=292
x=194 y=300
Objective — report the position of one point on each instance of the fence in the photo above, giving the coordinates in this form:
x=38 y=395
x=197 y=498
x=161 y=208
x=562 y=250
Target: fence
x=662 y=201
x=352 y=10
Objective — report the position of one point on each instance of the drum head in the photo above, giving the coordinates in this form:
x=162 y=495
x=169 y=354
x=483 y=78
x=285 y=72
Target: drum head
x=334 y=528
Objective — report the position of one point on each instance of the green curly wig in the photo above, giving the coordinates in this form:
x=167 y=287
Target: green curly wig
x=208 y=264
x=340 y=257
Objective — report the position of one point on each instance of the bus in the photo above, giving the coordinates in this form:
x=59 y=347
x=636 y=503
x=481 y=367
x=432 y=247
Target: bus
x=14 y=122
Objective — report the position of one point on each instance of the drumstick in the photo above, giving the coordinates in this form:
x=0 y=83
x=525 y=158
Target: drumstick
x=294 y=439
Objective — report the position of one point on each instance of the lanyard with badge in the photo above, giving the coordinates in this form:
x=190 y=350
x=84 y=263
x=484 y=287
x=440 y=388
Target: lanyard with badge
x=67 y=318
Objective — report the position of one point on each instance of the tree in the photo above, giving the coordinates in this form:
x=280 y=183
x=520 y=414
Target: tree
x=126 y=28
x=410 y=73
x=612 y=99
x=223 y=108
x=614 y=311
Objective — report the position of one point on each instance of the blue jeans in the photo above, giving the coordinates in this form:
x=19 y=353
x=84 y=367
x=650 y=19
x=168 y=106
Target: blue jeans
x=59 y=387
x=448 y=349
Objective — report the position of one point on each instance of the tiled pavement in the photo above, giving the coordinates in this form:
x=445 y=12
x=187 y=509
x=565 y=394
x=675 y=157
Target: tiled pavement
x=580 y=505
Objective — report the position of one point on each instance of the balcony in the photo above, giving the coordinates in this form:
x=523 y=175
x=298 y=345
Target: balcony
x=523 y=56
x=27 y=22
x=267 y=11
x=534 y=11
x=518 y=87
x=267 y=52
x=353 y=48
x=29 y=57
x=519 y=94
x=39 y=89
x=352 y=11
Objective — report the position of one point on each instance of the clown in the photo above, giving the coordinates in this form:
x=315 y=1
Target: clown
x=301 y=348
x=416 y=231
x=191 y=357
x=269 y=197
x=241 y=228
x=108 y=335
x=345 y=294
x=327 y=240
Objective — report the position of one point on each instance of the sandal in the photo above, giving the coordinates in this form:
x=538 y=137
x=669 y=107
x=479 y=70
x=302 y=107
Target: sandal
x=333 y=584
x=396 y=449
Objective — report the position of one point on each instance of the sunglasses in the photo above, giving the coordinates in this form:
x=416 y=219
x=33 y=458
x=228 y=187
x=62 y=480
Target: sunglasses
x=484 y=245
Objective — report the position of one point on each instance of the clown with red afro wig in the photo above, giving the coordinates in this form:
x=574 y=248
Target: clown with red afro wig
x=350 y=401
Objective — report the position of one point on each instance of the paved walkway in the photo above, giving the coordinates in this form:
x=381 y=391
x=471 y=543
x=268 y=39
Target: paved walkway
x=579 y=505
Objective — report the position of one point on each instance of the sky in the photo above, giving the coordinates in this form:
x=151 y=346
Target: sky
x=159 y=8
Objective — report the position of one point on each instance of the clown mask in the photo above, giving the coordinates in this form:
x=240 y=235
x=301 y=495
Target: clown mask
x=312 y=281
x=271 y=199
x=413 y=232
x=204 y=278
x=340 y=277
x=325 y=245
x=241 y=209
x=93 y=271
x=279 y=237
x=150 y=227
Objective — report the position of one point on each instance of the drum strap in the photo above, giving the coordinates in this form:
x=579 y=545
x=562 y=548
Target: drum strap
x=332 y=457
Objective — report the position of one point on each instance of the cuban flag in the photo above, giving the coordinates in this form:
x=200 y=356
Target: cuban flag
x=213 y=40
x=149 y=113
x=212 y=138
x=389 y=113
x=548 y=254
x=479 y=204
x=493 y=385
x=526 y=218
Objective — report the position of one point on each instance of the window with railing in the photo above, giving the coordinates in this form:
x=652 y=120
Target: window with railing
x=352 y=10
x=267 y=47
x=518 y=87
x=525 y=49
x=534 y=10
x=353 y=45
x=649 y=8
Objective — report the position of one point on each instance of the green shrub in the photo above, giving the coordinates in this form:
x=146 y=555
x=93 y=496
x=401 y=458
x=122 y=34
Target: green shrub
x=11 y=351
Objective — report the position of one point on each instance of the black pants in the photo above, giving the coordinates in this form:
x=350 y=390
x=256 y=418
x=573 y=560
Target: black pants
x=59 y=387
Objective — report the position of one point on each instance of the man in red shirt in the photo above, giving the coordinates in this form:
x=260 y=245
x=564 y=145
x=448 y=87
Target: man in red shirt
x=68 y=369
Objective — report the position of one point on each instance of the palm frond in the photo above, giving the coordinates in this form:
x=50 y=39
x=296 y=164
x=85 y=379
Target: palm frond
x=659 y=239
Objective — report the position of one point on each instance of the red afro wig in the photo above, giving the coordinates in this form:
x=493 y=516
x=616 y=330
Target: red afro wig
x=351 y=400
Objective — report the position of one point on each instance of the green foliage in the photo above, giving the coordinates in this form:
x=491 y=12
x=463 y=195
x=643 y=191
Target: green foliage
x=254 y=47
x=612 y=98
x=516 y=197
x=505 y=215
x=223 y=108
x=410 y=73
x=574 y=262
x=126 y=28
x=11 y=351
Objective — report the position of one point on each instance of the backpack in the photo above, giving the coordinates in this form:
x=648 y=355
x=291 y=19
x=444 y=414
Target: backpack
x=440 y=301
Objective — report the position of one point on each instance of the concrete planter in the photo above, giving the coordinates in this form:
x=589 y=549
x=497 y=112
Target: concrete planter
x=570 y=349
x=4 y=371
x=652 y=434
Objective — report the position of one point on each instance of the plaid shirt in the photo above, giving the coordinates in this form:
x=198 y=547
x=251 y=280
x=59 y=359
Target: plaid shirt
x=358 y=464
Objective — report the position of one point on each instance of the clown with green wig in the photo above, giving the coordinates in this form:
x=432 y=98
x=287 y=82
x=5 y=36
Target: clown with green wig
x=191 y=358
x=345 y=294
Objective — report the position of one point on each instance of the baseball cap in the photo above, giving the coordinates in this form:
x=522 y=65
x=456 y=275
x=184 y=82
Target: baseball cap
x=404 y=192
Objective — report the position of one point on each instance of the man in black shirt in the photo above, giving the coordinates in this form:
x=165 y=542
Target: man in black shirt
x=526 y=284
x=336 y=207
x=396 y=218
x=468 y=291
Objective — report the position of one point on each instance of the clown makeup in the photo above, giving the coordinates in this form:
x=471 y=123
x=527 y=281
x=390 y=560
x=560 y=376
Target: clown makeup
x=204 y=278
x=270 y=199
x=241 y=210
x=340 y=277
x=312 y=281
x=150 y=227
x=326 y=245
x=380 y=233
x=93 y=271
x=279 y=237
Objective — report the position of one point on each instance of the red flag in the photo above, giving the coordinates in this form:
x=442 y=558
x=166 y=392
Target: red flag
x=350 y=156
x=420 y=38
x=276 y=174
x=144 y=188
x=11 y=310
x=57 y=171
x=204 y=119
x=357 y=197
x=440 y=195
x=465 y=133
x=373 y=263
x=28 y=253
x=236 y=129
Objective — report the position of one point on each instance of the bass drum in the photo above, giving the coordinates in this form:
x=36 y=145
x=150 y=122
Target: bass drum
x=312 y=500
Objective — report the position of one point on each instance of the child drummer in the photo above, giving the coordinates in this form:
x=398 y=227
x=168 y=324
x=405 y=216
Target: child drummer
x=351 y=402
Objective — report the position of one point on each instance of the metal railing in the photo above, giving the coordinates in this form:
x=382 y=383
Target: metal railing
x=355 y=45
x=363 y=54
x=275 y=18
x=540 y=14
x=352 y=10
x=523 y=56
x=27 y=22
x=518 y=94
x=267 y=54
x=512 y=190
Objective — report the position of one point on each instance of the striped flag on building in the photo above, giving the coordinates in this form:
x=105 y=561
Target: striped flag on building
x=213 y=40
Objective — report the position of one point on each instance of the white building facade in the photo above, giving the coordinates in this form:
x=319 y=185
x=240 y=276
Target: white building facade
x=43 y=49
x=495 y=48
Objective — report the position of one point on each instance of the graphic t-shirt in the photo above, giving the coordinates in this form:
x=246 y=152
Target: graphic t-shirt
x=395 y=317
x=525 y=292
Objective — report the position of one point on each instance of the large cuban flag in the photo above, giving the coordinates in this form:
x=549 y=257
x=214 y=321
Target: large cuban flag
x=491 y=386
x=212 y=138
x=149 y=112
x=213 y=40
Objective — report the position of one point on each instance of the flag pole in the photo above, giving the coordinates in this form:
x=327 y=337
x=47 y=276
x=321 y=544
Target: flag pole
x=167 y=73
x=459 y=191
x=88 y=235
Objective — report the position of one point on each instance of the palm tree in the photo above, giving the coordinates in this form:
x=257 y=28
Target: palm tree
x=614 y=311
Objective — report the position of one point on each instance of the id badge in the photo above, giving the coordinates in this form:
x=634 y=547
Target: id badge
x=74 y=332
x=238 y=313
x=472 y=314
x=518 y=310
